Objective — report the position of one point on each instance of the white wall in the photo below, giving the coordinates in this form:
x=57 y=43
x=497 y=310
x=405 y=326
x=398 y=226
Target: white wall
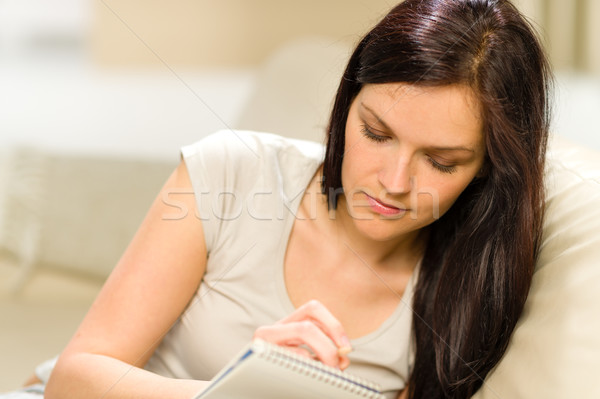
x=577 y=107
x=77 y=108
x=54 y=96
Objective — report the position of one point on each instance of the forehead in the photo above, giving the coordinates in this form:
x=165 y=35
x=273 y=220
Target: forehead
x=441 y=113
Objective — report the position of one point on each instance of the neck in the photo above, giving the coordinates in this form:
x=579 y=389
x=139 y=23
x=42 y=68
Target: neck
x=402 y=251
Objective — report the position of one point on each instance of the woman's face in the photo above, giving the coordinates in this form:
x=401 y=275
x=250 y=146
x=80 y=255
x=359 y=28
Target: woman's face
x=410 y=151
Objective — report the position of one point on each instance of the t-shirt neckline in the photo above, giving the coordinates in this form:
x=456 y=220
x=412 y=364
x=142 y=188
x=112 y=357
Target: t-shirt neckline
x=284 y=297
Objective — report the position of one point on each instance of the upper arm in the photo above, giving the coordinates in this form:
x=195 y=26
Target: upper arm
x=152 y=283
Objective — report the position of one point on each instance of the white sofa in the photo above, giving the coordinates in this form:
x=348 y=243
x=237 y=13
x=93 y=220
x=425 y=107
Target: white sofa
x=56 y=253
x=555 y=348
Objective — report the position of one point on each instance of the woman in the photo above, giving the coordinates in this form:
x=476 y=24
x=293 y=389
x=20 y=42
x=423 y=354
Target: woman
x=423 y=221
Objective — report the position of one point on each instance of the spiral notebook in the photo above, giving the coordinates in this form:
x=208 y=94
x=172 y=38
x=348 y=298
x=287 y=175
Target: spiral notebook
x=266 y=371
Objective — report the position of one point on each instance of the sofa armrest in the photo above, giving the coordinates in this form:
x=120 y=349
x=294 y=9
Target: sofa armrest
x=555 y=347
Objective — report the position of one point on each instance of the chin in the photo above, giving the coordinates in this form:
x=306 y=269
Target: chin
x=383 y=230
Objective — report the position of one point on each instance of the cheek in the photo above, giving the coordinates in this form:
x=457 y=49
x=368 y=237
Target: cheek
x=349 y=169
x=354 y=159
x=360 y=165
x=439 y=198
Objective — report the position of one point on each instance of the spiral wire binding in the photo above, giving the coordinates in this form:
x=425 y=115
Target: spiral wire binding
x=318 y=370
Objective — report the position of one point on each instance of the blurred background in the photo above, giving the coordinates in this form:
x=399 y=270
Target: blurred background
x=106 y=76
x=99 y=95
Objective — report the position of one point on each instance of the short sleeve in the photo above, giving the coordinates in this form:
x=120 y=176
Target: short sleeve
x=240 y=175
x=219 y=167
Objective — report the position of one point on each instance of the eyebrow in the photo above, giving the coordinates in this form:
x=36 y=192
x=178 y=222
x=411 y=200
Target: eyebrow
x=458 y=148
x=376 y=116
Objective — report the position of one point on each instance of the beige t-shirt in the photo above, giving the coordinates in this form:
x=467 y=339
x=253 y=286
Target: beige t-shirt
x=248 y=187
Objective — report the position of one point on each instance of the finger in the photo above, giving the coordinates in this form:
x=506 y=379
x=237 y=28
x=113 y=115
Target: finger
x=344 y=362
x=301 y=350
x=303 y=332
x=317 y=312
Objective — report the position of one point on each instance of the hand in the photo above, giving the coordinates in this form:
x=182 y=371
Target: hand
x=311 y=325
x=33 y=379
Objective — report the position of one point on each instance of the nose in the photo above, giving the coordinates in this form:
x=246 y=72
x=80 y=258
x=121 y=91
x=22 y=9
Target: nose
x=396 y=176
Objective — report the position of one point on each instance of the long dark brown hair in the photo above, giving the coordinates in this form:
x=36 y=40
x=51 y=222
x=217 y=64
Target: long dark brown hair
x=479 y=260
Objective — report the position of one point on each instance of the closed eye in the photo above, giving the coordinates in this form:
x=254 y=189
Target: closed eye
x=368 y=133
x=441 y=167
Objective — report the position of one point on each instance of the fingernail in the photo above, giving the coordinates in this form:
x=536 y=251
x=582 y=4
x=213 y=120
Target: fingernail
x=346 y=342
x=344 y=350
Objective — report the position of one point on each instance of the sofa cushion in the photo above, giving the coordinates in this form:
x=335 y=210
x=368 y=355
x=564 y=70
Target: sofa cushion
x=295 y=89
x=555 y=347
x=74 y=212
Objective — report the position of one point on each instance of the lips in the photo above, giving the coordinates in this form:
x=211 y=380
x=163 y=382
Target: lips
x=382 y=208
